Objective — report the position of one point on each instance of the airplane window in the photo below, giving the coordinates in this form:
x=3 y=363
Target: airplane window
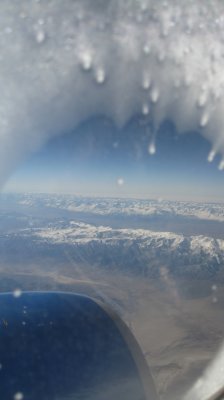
x=111 y=159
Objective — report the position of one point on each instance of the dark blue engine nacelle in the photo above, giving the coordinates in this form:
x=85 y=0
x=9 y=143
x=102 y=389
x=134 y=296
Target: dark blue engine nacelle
x=57 y=346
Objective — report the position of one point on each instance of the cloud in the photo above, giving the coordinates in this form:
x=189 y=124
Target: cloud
x=64 y=62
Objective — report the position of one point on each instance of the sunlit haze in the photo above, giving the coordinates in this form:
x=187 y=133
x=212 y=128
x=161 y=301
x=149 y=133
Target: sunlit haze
x=99 y=160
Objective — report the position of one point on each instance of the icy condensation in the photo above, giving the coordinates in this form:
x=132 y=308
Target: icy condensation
x=62 y=62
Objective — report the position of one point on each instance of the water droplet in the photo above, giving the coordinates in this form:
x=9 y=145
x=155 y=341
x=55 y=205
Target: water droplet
x=120 y=181
x=40 y=37
x=1 y=366
x=202 y=100
x=211 y=156
x=41 y=21
x=214 y=300
x=204 y=120
x=152 y=149
x=154 y=95
x=214 y=288
x=86 y=61
x=145 y=109
x=221 y=165
x=18 y=396
x=100 y=76
x=146 y=50
x=17 y=293
x=144 y=7
x=146 y=82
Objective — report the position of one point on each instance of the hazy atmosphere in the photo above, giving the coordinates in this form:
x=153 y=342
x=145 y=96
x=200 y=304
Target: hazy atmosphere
x=97 y=159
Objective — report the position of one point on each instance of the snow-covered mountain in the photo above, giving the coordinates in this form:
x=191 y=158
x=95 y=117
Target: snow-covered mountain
x=38 y=234
x=127 y=207
x=135 y=250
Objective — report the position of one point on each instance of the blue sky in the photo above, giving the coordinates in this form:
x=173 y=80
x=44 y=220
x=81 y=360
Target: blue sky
x=96 y=157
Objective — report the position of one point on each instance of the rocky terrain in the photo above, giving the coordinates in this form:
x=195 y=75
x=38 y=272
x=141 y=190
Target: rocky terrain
x=167 y=286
